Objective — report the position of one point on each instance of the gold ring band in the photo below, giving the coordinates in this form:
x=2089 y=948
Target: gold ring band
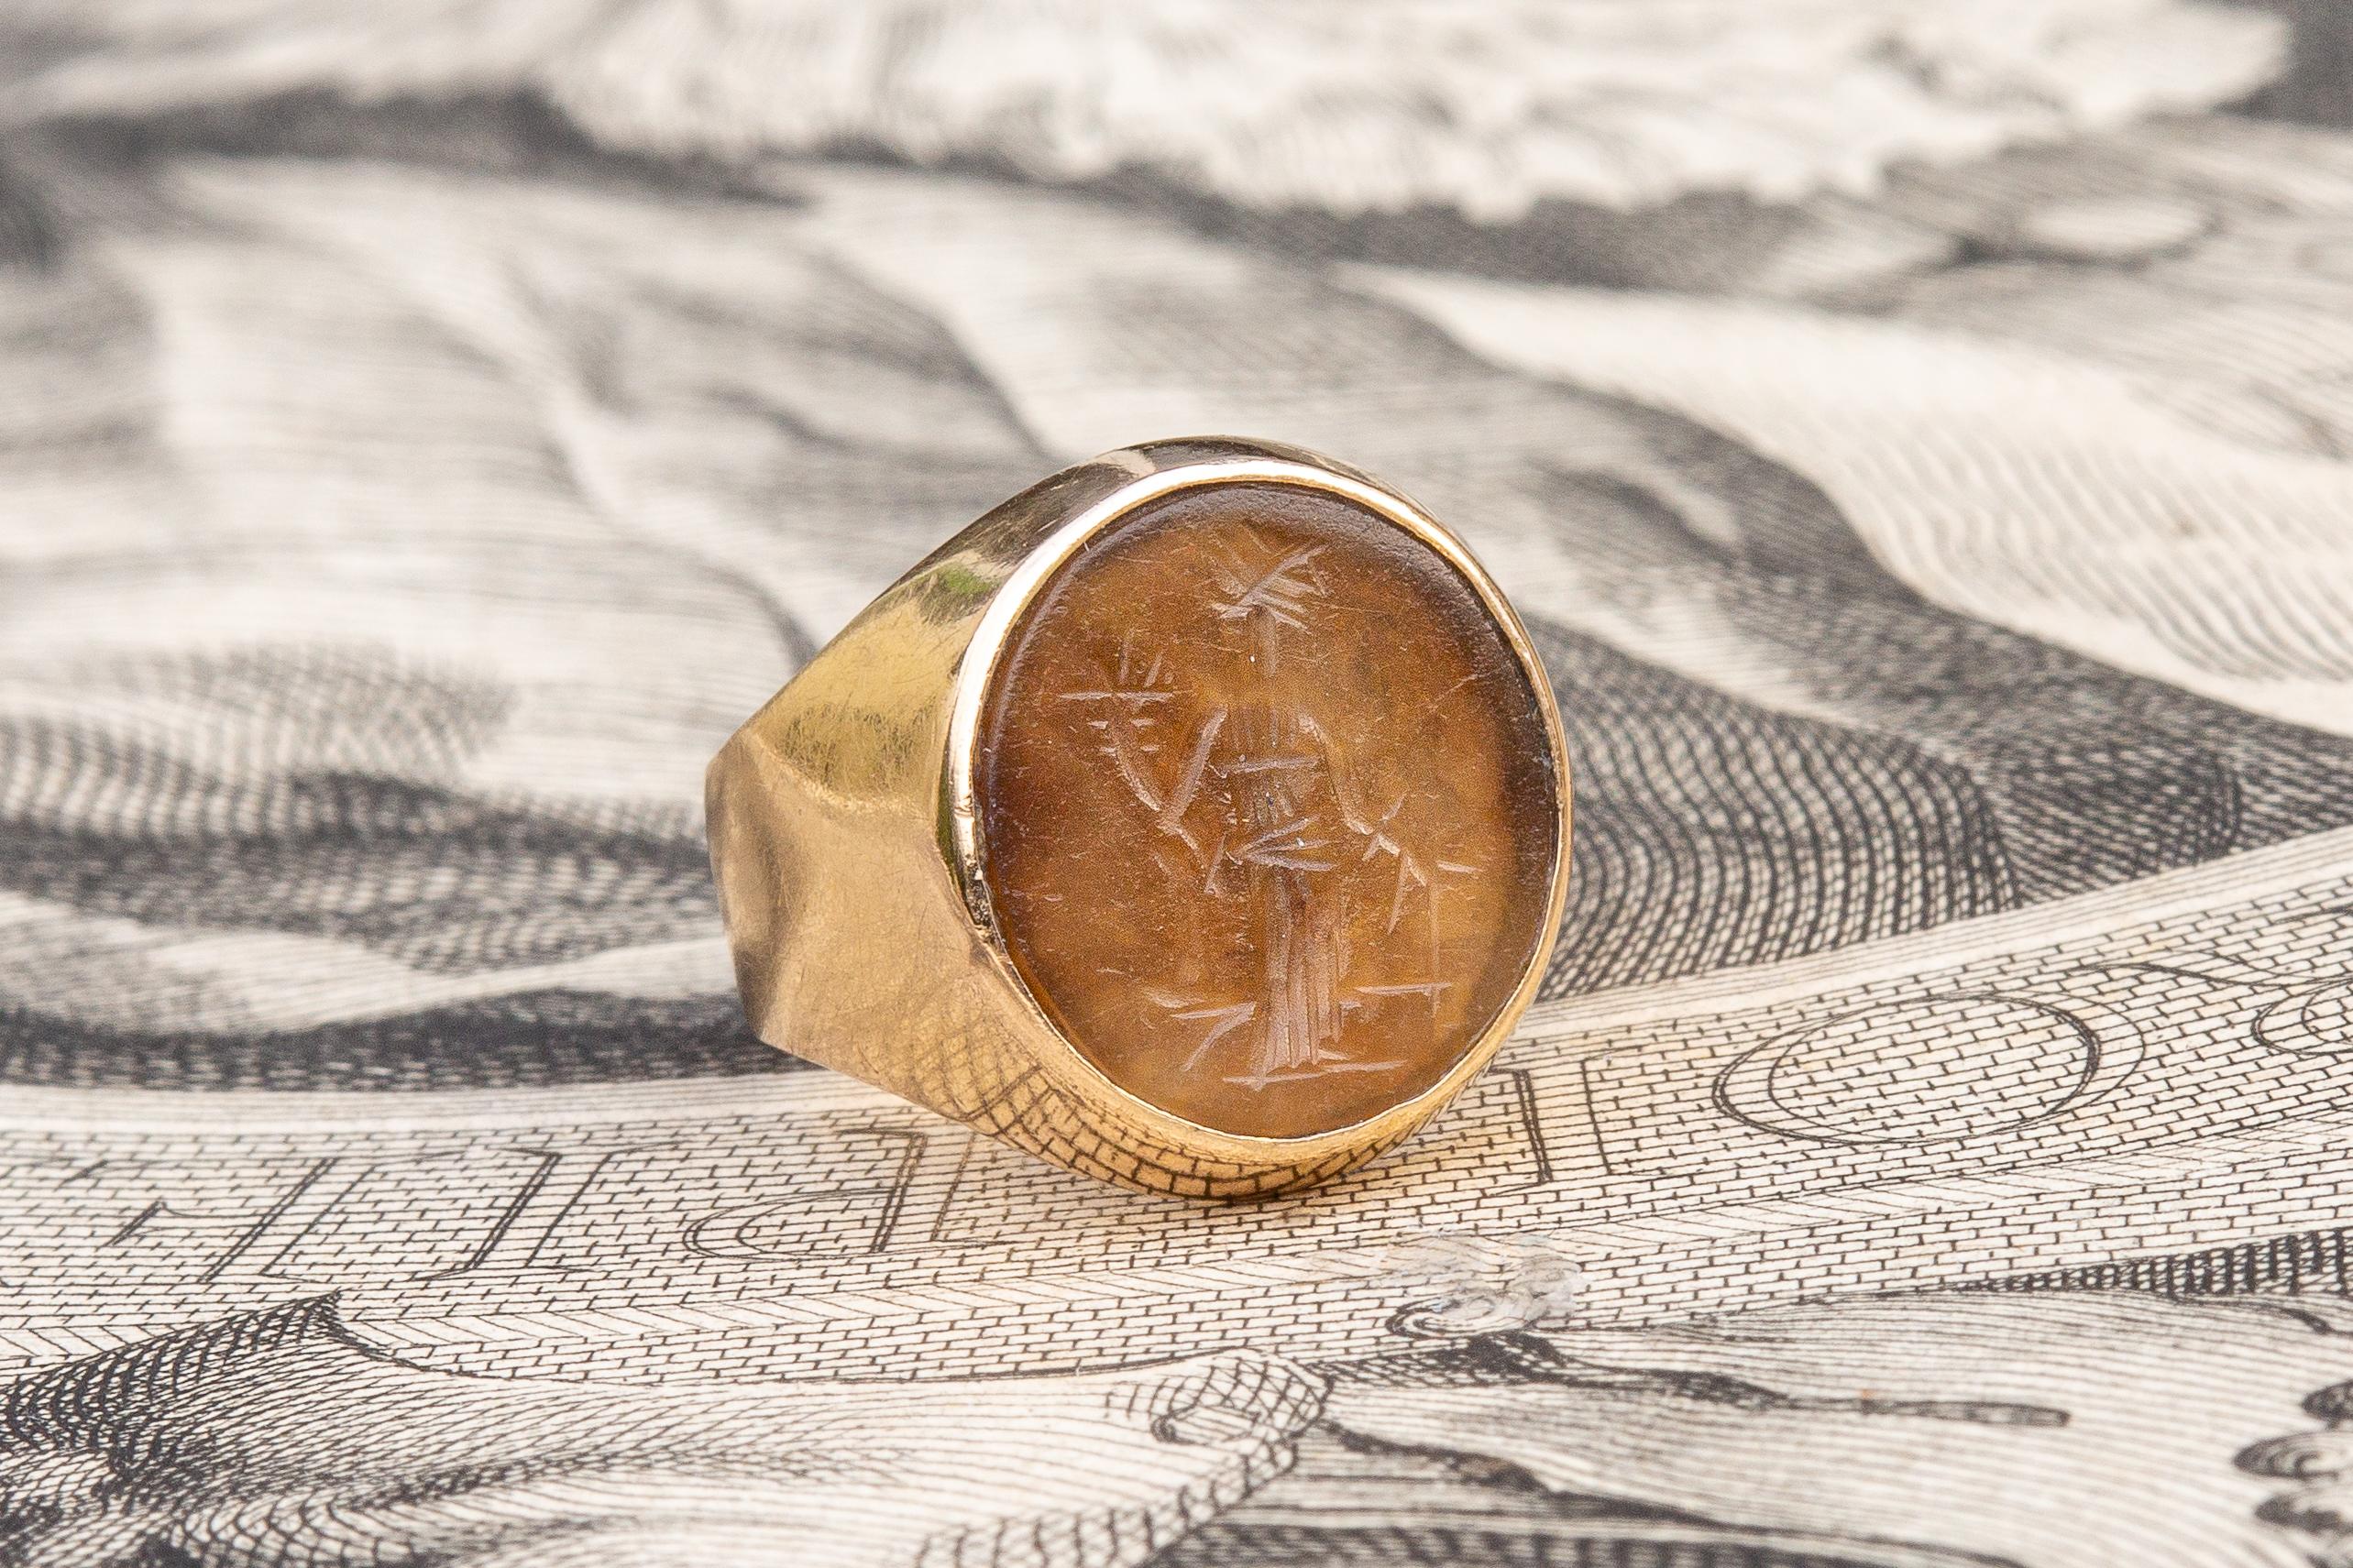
x=1198 y=819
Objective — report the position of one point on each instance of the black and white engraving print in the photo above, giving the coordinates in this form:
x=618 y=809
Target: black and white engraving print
x=1919 y=437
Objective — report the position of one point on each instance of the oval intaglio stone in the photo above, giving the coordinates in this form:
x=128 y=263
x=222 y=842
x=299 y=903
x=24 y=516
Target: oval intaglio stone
x=1267 y=810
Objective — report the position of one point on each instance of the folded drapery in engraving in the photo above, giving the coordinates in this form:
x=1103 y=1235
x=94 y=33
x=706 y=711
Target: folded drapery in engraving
x=419 y=449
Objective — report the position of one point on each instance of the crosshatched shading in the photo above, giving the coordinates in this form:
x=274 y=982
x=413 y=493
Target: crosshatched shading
x=1918 y=1072
x=1267 y=808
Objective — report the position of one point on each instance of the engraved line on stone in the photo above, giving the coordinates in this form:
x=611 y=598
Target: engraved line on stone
x=1229 y=1018
x=1285 y=846
x=1216 y=860
x=1276 y=590
x=1195 y=762
x=1131 y=771
x=1266 y=1079
x=1407 y=872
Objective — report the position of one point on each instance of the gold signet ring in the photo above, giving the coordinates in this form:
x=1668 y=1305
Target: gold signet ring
x=1197 y=820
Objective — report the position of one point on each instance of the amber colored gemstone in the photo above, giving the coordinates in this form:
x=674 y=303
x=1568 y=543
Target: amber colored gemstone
x=1267 y=812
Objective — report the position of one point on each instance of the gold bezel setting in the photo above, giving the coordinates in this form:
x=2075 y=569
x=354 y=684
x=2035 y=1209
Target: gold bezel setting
x=834 y=764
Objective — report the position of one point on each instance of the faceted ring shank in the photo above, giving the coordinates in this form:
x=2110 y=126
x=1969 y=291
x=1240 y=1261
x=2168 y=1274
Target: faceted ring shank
x=1267 y=815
